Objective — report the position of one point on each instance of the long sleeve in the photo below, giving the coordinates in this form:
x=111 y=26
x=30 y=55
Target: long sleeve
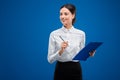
x=53 y=55
x=82 y=43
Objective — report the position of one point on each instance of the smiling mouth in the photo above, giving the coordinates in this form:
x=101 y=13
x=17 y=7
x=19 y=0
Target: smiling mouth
x=63 y=20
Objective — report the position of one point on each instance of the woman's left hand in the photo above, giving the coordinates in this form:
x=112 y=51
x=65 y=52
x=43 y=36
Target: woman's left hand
x=92 y=53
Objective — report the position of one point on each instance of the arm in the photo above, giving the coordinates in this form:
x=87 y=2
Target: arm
x=53 y=55
x=82 y=43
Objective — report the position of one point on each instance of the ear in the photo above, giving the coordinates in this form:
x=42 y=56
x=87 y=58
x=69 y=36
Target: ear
x=73 y=16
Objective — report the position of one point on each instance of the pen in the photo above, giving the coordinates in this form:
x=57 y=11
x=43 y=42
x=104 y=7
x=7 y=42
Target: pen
x=61 y=38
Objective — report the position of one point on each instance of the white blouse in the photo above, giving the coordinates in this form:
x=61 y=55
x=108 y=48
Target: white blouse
x=76 y=41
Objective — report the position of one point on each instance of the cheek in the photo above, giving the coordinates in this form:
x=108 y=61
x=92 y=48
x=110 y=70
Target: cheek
x=70 y=19
x=61 y=18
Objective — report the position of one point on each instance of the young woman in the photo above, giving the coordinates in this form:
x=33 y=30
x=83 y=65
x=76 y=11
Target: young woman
x=64 y=44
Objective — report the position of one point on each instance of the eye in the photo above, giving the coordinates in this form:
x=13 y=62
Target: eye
x=66 y=13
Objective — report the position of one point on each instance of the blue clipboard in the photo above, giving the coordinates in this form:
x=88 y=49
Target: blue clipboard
x=84 y=53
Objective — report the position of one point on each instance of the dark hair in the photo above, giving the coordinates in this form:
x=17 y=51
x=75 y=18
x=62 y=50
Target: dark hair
x=72 y=9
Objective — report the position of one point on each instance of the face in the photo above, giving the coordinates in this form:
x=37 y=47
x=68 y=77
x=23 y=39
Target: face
x=66 y=17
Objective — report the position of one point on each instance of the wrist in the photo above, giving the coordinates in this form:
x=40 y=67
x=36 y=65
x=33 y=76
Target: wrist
x=60 y=52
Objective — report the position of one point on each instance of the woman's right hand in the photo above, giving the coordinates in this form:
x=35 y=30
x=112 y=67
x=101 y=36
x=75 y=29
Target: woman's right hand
x=63 y=47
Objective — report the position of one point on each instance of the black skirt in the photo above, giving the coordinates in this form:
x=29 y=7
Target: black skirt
x=68 y=71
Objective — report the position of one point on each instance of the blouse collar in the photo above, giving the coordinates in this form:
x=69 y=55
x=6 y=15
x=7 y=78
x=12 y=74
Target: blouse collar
x=67 y=30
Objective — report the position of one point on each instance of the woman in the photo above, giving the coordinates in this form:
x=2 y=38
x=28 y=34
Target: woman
x=64 y=44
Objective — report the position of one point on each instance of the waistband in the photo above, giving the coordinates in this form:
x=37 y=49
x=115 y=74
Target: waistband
x=67 y=62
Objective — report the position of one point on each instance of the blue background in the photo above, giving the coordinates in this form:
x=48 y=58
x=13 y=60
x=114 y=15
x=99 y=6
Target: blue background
x=25 y=26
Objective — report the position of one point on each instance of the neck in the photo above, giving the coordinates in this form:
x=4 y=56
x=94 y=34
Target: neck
x=67 y=26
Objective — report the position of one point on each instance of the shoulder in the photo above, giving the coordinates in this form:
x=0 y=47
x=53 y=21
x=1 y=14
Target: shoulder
x=55 y=32
x=78 y=31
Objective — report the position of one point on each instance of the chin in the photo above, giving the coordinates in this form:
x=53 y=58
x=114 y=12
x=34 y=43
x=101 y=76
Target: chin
x=64 y=23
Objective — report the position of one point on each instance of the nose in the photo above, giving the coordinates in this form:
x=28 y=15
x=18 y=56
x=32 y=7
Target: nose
x=62 y=16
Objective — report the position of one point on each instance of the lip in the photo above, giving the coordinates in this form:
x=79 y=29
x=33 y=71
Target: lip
x=63 y=21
